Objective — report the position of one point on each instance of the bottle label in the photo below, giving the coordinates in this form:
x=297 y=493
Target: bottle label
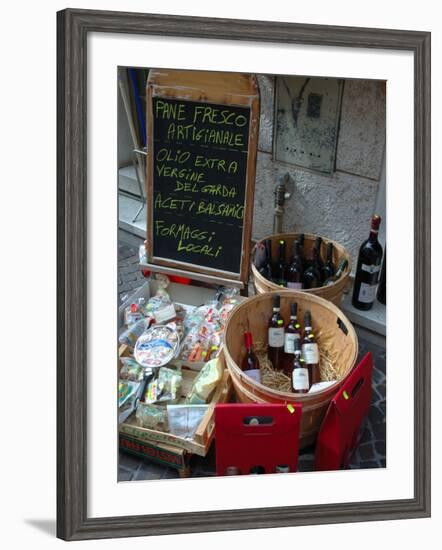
x=367 y=293
x=276 y=337
x=254 y=374
x=294 y=285
x=300 y=379
x=310 y=352
x=370 y=268
x=289 y=341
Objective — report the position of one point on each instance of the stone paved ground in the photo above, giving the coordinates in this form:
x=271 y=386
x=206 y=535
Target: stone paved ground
x=370 y=453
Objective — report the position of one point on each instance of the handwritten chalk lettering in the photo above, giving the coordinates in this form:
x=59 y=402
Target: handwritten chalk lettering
x=217 y=164
x=166 y=155
x=221 y=209
x=205 y=114
x=203 y=249
x=167 y=110
x=207 y=136
x=219 y=190
x=186 y=187
x=173 y=204
x=181 y=231
x=187 y=174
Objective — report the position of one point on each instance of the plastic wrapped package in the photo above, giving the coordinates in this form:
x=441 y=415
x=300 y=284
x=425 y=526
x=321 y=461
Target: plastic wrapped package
x=165 y=388
x=184 y=420
x=205 y=382
x=157 y=346
x=131 y=370
x=153 y=417
x=131 y=335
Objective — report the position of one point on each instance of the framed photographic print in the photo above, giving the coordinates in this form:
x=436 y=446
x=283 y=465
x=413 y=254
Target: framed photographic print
x=226 y=190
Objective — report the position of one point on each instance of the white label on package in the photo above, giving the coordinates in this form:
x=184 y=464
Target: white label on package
x=254 y=374
x=165 y=313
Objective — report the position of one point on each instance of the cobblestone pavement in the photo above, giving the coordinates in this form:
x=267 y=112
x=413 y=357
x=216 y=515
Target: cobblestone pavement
x=370 y=453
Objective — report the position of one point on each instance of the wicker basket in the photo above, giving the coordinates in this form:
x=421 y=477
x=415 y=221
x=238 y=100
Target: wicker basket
x=333 y=330
x=333 y=292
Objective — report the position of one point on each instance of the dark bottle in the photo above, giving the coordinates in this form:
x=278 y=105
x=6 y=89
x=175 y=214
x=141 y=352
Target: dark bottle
x=292 y=334
x=382 y=290
x=301 y=380
x=312 y=275
x=250 y=364
x=329 y=268
x=341 y=268
x=280 y=267
x=266 y=267
x=296 y=268
x=276 y=335
x=367 y=270
x=301 y=239
x=310 y=350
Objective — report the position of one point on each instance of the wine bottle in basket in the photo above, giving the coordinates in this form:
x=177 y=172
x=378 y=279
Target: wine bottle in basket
x=341 y=268
x=312 y=275
x=292 y=333
x=266 y=267
x=250 y=364
x=276 y=335
x=296 y=268
x=329 y=268
x=368 y=268
x=310 y=350
x=280 y=267
x=301 y=381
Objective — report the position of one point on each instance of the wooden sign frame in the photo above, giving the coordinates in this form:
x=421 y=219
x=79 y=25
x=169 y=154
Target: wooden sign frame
x=192 y=86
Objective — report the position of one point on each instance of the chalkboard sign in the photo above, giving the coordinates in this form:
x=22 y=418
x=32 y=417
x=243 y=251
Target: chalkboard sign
x=199 y=185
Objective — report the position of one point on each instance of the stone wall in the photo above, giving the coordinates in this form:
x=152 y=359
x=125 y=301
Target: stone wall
x=339 y=205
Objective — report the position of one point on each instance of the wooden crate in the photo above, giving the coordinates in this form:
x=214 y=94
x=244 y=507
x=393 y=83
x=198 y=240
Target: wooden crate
x=205 y=432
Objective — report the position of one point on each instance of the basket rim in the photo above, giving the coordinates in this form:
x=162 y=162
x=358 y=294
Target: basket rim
x=235 y=370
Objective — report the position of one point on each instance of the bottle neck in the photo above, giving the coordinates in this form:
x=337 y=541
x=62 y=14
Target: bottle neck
x=373 y=237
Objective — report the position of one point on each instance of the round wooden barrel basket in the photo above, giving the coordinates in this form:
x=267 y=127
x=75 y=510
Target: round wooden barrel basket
x=333 y=331
x=333 y=292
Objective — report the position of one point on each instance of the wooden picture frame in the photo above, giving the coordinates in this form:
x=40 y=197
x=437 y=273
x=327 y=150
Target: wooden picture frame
x=73 y=27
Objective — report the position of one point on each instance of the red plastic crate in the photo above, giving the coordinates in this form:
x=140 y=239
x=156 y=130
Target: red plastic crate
x=341 y=428
x=251 y=435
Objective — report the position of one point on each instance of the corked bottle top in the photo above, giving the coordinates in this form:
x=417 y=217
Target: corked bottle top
x=293 y=309
x=375 y=222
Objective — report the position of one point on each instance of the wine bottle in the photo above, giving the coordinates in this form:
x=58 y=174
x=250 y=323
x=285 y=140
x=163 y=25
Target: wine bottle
x=341 y=268
x=310 y=350
x=292 y=333
x=329 y=267
x=367 y=270
x=280 y=267
x=296 y=268
x=317 y=256
x=250 y=364
x=276 y=335
x=301 y=381
x=266 y=267
x=312 y=275
x=382 y=290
